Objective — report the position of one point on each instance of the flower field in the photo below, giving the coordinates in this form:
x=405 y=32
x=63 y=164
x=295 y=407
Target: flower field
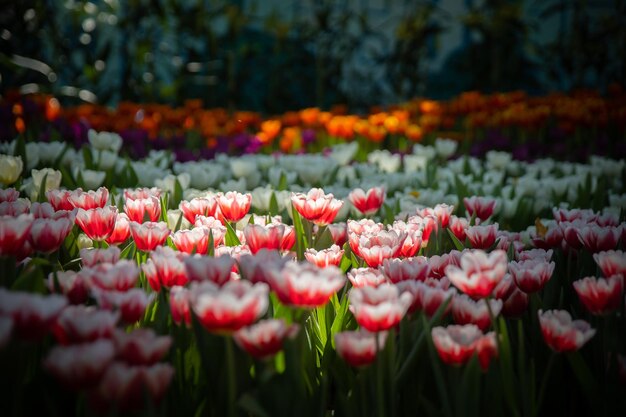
x=344 y=281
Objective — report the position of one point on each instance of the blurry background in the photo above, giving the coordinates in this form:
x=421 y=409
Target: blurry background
x=274 y=55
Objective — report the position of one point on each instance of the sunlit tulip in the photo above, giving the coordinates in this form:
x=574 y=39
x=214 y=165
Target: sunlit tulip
x=304 y=284
x=482 y=237
x=374 y=249
x=217 y=228
x=480 y=207
x=479 y=272
x=165 y=267
x=47 y=235
x=120 y=276
x=379 y=308
x=367 y=202
x=600 y=295
x=233 y=205
x=97 y=223
x=366 y=277
x=263 y=237
x=80 y=366
x=316 y=206
x=143 y=209
x=191 y=241
x=458 y=226
x=428 y=295
x=179 y=305
x=121 y=230
x=397 y=270
x=87 y=200
x=456 y=344
x=92 y=257
x=149 y=235
x=202 y=206
x=32 y=314
x=339 y=233
x=324 y=257
x=532 y=275
x=265 y=338
x=139 y=193
x=359 y=348
x=131 y=304
x=230 y=307
x=59 y=199
x=561 y=333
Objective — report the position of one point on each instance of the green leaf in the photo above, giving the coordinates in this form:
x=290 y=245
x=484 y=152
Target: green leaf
x=273 y=205
x=282 y=183
x=57 y=161
x=301 y=242
x=231 y=238
x=88 y=157
x=41 y=196
x=457 y=243
x=211 y=247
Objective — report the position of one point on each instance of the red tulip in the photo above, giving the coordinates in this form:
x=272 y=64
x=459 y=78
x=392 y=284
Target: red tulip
x=165 y=267
x=179 y=305
x=456 y=344
x=265 y=338
x=259 y=237
x=88 y=200
x=233 y=205
x=80 y=366
x=191 y=241
x=479 y=273
x=289 y=238
x=32 y=314
x=439 y=263
x=60 y=199
x=481 y=207
x=458 y=226
x=316 y=207
x=216 y=227
x=14 y=233
x=230 y=307
x=359 y=347
x=379 y=308
x=366 y=277
x=131 y=304
x=304 y=284
x=482 y=237
x=325 y=257
x=339 y=233
x=149 y=235
x=367 y=202
x=121 y=230
x=611 y=262
x=600 y=295
x=143 y=208
x=93 y=257
x=139 y=193
x=97 y=223
x=561 y=333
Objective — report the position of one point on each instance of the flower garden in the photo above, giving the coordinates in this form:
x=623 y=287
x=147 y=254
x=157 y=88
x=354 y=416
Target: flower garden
x=432 y=258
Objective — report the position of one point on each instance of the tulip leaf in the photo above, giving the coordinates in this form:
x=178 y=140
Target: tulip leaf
x=129 y=251
x=211 y=247
x=88 y=158
x=585 y=378
x=345 y=264
x=282 y=183
x=457 y=243
x=57 y=162
x=301 y=242
x=41 y=196
x=273 y=209
x=231 y=238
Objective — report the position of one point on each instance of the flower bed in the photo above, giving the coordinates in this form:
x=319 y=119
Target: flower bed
x=238 y=286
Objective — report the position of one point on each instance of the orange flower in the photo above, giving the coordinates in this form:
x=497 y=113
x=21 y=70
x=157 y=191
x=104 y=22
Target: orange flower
x=414 y=133
x=310 y=116
x=271 y=128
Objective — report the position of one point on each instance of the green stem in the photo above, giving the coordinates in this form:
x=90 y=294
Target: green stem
x=232 y=379
x=379 y=379
x=544 y=383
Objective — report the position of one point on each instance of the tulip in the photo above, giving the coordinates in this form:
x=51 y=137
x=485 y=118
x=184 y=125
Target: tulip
x=374 y=249
x=6 y=328
x=561 y=333
x=599 y=239
x=439 y=263
x=482 y=237
x=467 y=311
x=481 y=207
x=255 y=268
x=15 y=208
x=359 y=348
x=97 y=223
x=11 y=168
x=131 y=304
x=192 y=241
x=78 y=324
x=47 y=235
x=397 y=270
x=317 y=207
x=304 y=284
x=233 y=205
x=73 y=285
x=93 y=257
x=216 y=227
x=165 y=267
x=141 y=346
x=339 y=233
x=80 y=366
x=379 y=308
x=14 y=233
x=60 y=199
x=87 y=200
x=456 y=344
x=265 y=338
x=205 y=268
x=120 y=276
x=428 y=295
x=149 y=235
x=535 y=254
x=204 y=206
x=32 y=314
x=479 y=272
x=366 y=277
x=230 y=307
x=141 y=209
x=258 y=237
x=611 y=262
x=179 y=305
x=532 y=275
x=600 y=295
x=458 y=226
x=515 y=302
x=121 y=230
x=8 y=195
x=367 y=202
x=325 y=257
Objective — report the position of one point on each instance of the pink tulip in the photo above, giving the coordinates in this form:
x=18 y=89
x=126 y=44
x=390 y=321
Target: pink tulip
x=165 y=267
x=141 y=346
x=359 y=348
x=9 y=195
x=78 y=324
x=379 y=308
x=467 y=311
x=143 y=208
x=481 y=207
x=598 y=239
x=428 y=295
x=532 y=275
x=206 y=268
x=397 y=270
x=366 y=277
x=456 y=344
x=80 y=366
x=479 y=272
x=561 y=333
x=316 y=207
x=367 y=202
x=97 y=223
x=201 y=206
x=93 y=257
x=192 y=241
x=458 y=226
x=15 y=208
x=611 y=262
x=265 y=338
x=339 y=233
x=32 y=314
x=60 y=199
x=121 y=230
x=325 y=257
x=374 y=249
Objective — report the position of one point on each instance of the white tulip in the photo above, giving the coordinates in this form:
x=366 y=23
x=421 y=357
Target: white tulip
x=10 y=168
